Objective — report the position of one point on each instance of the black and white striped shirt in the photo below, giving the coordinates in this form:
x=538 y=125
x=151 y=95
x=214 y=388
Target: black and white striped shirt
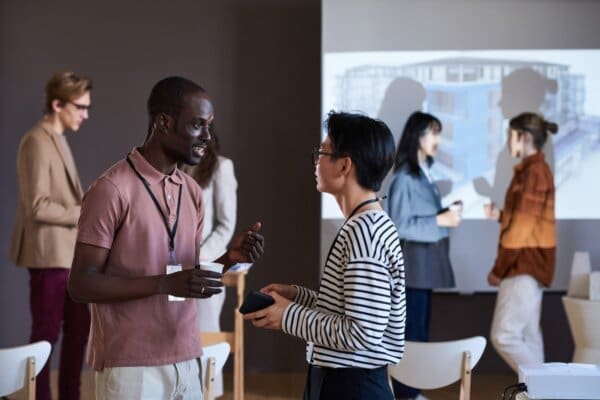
x=357 y=317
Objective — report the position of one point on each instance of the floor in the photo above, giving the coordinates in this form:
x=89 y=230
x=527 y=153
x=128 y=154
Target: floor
x=290 y=386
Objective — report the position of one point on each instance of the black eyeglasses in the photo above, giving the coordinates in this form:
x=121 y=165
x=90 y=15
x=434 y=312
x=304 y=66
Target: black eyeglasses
x=316 y=153
x=80 y=107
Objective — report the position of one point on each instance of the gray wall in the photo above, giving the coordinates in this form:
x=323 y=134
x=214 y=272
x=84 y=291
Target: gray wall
x=357 y=25
x=259 y=60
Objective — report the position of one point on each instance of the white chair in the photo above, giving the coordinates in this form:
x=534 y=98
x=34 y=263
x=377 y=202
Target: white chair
x=584 y=316
x=213 y=359
x=432 y=365
x=20 y=365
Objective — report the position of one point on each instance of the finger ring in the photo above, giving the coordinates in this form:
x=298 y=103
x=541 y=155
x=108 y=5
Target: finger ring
x=202 y=290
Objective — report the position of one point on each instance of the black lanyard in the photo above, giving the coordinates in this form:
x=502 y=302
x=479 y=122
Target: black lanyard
x=358 y=207
x=170 y=232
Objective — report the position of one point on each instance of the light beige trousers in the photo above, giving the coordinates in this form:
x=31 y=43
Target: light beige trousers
x=180 y=381
x=516 y=333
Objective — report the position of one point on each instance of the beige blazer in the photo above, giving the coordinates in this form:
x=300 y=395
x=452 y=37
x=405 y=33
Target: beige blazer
x=49 y=201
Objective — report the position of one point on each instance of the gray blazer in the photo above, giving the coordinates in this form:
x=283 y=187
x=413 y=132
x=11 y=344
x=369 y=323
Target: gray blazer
x=413 y=204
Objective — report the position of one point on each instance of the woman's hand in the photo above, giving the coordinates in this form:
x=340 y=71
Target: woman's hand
x=450 y=219
x=288 y=291
x=272 y=316
x=493 y=279
x=491 y=211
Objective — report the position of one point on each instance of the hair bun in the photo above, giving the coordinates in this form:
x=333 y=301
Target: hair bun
x=551 y=127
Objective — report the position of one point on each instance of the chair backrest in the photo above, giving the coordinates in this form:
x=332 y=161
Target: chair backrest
x=15 y=364
x=431 y=365
x=213 y=359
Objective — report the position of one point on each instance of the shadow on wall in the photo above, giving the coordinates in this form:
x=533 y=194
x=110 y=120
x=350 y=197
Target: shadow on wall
x=522 y=90
x=401 y=98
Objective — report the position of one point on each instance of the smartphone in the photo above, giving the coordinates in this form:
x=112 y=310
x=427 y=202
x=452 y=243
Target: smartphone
x=255 y=301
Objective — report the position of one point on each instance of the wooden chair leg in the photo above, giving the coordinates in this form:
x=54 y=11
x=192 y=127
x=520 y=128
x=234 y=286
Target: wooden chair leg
x=465 y=381
x=30 y=376
x=235 y=338
x=210 y=379
x=238 y=351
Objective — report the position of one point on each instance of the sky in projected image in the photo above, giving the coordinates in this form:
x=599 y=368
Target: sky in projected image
x=474 y=93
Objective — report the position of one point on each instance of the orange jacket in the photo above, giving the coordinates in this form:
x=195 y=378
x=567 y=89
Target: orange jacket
x=528 y=228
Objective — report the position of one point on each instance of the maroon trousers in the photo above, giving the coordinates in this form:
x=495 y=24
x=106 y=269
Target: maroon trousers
x=52 y=307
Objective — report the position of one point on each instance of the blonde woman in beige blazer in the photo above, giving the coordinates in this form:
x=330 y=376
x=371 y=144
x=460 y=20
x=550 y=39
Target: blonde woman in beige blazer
x=46 y=228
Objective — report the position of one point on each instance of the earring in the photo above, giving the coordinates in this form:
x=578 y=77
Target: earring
x=163 y=124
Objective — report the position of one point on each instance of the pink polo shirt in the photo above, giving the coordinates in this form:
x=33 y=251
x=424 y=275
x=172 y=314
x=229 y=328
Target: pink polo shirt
x=118 y=214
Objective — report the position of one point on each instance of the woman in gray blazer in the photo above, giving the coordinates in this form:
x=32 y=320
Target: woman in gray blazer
x=414 y=204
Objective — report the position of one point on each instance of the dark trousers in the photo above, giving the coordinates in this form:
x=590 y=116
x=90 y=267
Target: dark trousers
x=418 y=313
x=52 y=307
x=347 y=384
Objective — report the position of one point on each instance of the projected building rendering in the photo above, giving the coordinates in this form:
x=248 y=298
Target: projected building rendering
x=474 y=97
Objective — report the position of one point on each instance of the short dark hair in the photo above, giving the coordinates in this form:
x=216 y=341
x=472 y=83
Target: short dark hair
x=168 y=96
x=367 y=141
x=409 y=143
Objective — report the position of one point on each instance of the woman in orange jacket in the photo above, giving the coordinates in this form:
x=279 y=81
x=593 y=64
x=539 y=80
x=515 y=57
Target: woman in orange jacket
x=527 y=246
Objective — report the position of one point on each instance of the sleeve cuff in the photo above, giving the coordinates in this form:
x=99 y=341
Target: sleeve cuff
x=304 y=296
x=93 y=240
x=290 y=318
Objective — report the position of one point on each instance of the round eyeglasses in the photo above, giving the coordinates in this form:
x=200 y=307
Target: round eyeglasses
x=317 y=153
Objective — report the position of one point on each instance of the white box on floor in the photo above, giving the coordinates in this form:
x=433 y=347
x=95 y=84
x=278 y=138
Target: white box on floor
x=561 y=381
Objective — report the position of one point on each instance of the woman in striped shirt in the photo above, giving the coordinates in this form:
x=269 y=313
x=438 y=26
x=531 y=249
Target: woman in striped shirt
x=354 y=323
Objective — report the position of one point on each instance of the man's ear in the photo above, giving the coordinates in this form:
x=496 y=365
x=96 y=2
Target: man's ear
x=57 y=105
x=346 y=165
x=163 y=122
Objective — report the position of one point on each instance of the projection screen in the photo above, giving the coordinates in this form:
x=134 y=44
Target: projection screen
x=387 y=59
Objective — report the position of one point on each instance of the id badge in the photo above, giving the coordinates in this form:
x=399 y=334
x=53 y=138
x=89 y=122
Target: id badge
x=310 y=348
x=171 y=268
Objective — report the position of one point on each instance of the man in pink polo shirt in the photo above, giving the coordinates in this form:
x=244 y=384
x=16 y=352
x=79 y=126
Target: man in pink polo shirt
x=137 y=245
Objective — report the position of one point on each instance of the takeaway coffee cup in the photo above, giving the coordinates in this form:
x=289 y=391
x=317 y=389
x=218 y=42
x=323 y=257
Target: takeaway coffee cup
x=211 y=266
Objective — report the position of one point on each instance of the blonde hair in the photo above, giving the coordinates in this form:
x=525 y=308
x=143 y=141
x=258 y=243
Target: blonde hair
x=64 y=86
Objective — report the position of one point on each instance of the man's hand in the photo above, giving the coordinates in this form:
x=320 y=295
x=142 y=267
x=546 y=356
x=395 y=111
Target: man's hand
x=191 y=283
x=272 y=316
x=247 y=247
x=493 y=279
x=288 y=291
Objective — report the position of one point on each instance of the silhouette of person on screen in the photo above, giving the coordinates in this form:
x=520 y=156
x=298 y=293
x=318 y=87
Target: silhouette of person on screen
x=522 y=90
x=403 y=97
